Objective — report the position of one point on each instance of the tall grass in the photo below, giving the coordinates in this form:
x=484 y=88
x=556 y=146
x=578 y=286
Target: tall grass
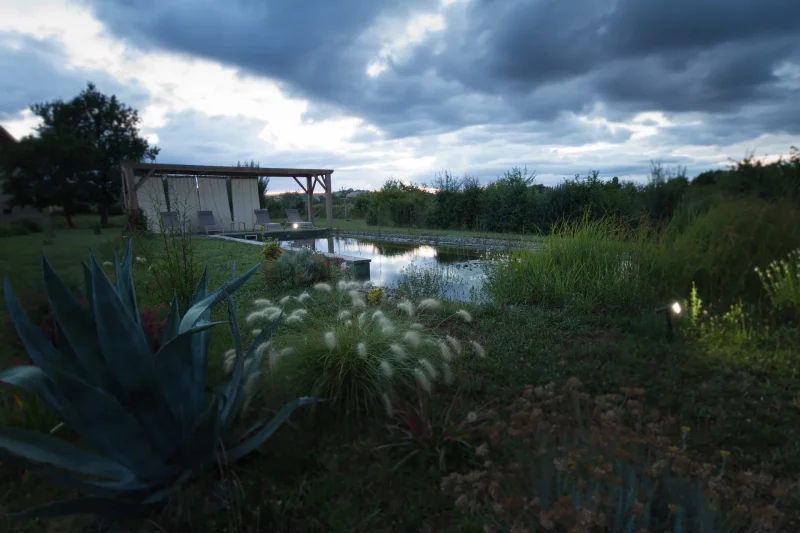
x=590 y=264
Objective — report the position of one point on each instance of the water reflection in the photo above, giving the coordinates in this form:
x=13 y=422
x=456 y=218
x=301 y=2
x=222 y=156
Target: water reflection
x=463 y=265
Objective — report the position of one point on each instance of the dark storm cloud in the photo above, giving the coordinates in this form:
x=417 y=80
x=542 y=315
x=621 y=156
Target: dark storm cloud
x=33 y=72
x=497 y=62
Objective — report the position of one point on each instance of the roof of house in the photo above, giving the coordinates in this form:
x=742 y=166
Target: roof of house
x=6 y=138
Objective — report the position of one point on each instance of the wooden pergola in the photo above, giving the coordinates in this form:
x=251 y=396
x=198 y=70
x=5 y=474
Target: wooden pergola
x=135 y=174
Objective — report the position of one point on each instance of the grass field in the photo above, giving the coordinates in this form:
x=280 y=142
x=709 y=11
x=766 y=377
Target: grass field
x=311 y=477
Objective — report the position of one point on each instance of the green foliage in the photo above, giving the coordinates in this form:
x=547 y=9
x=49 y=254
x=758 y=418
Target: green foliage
x=429 y=281
x=301 y=268
x=144 y=414
x=781 y=281
x=271 y=249
x=588 y=264
x=97 y=229
x=364 y=360
x=137 y=221
x=21 y=226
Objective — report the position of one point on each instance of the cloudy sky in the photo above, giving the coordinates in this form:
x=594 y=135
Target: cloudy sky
x=385 y=88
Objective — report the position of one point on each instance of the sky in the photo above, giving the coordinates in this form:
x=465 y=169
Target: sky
x=380 y=89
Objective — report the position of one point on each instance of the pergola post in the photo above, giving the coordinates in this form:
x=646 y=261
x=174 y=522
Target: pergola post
x=326 y=179
x=310 y=198
x=132 y=198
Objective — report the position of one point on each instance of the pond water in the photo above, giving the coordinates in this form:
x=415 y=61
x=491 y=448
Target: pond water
x=463 y=268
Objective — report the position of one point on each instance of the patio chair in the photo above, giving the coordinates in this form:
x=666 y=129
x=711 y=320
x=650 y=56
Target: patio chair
x=262 y=219
x=205 y=219
x=170 y=222
x=293 y=217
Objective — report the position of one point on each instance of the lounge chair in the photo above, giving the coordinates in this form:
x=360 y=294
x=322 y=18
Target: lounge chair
x=262 y=219
x=205 y=219
x=170 y=222
x=293 y=217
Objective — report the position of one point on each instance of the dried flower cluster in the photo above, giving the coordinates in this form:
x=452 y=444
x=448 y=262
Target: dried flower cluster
x=565 y=461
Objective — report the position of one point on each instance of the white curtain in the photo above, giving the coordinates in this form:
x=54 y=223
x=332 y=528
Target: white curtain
x=183 y=200
x=214 y=198
x=150 y=195
x=245 y=200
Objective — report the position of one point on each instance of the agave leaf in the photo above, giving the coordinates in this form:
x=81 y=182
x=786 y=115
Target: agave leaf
x=95 y=488
x=256 y=440
x=199 y=448
x=125 y=287
x=33 y=379
x=87 y=281
x=173 y=321
x=123 y=342
x=40 y=448
x=200 y=344
x=37 y=346
x=76 y=326
x=198 y=309
x=93 y=505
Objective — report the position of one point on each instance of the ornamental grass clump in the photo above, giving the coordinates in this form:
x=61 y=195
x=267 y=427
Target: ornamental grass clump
x=142 y=417
x=362 y=358
x=566 y=461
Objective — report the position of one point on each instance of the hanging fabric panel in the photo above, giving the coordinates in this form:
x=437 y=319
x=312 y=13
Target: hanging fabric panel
x=183 y=200
x=214 y=198
x=150 y=195
x=245 y=200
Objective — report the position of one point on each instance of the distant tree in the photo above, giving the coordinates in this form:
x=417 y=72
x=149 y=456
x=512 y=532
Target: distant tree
x=107 y=129
x=52 y=169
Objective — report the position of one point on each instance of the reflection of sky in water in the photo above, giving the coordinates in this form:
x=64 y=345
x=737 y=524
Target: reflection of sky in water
x=389 y=258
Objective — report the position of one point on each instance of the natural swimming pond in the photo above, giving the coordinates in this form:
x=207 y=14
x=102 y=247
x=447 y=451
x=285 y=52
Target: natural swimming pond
x=461 y=268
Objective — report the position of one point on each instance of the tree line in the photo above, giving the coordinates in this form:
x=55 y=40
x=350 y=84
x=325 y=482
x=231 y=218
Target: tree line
x=516 y=203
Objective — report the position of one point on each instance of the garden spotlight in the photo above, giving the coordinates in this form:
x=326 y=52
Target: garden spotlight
x=668 y=310
x=295 y=226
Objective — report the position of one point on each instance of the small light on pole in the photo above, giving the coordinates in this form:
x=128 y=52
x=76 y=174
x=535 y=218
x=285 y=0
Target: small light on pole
x=669 y=310
x=295 y=226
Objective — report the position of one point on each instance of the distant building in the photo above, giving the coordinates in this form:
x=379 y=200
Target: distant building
x=8 y=213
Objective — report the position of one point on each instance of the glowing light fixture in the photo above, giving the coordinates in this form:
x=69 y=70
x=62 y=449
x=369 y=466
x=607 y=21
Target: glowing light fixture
x=676 y=308
x=668 y=310
x=295 y=225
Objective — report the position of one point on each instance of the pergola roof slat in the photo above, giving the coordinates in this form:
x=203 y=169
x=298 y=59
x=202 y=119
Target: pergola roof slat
x=146 y=169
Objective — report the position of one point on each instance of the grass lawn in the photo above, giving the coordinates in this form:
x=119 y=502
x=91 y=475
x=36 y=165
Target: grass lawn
x=311 y=477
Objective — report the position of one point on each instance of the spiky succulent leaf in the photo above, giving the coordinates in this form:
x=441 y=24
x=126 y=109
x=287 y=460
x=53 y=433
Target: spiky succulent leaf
x=173 y=321
x=125 y=288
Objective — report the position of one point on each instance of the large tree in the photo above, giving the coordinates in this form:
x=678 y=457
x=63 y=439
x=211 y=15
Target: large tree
x=109 y=129
x=50 y=169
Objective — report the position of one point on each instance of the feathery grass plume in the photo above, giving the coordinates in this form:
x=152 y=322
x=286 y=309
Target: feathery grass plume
x=447 y=372
x=285 y=352
x=344 y=315
x=387 y=405
x=368 y=284
x=359 y=303
x=330 y=340
x=323 y=287
x=398 y=351
x=357 y=299
x=293 y=320
x=262 y=302
x=141 y=260
x=362 y=319
x=353 y=285
x=428 y=367
x=455 y=343
x=286 y=299
x=417 y=326
x=303 y=297
x=341 y=286
x=229 y=360
x=422 y=379
x=428 y=303
x=261 y=348
x=274 y=357
x=108 y=264
x=348 y=323
x=447 y=355
x=299 y=312
x=406 y=306
x=255 y=315
x=387 y=369
x=361 y=348
x=412 y=338
x=250 y=385
x=275 y=315
x=464 y=314
x=378 y=316
x=387 y=328
x=479 y=351
x=256 y=332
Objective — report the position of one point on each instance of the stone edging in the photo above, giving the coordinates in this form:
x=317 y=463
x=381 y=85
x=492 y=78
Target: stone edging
x=446 y=241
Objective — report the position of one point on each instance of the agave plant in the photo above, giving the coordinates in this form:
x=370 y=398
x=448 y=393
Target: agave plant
x=145 y=415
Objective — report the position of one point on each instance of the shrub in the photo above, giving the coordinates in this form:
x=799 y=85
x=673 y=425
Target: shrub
x=144 y=413
x=20 y=226
x=590 y=264
x=429 y=281
x=365 y=360
x=302 y=268
x=781 y=282
x=137 y=221
x=271 y=249
x=567 y=461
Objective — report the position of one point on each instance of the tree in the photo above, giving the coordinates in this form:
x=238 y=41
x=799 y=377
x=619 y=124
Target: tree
x=108 y=129
x=51 y=169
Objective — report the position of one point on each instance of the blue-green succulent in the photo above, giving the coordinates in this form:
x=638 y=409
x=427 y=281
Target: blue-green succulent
x=144 y=420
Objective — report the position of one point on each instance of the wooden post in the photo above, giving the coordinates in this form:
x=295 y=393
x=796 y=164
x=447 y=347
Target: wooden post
x=133 y=197
x=328 y=199
x=310 y=198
